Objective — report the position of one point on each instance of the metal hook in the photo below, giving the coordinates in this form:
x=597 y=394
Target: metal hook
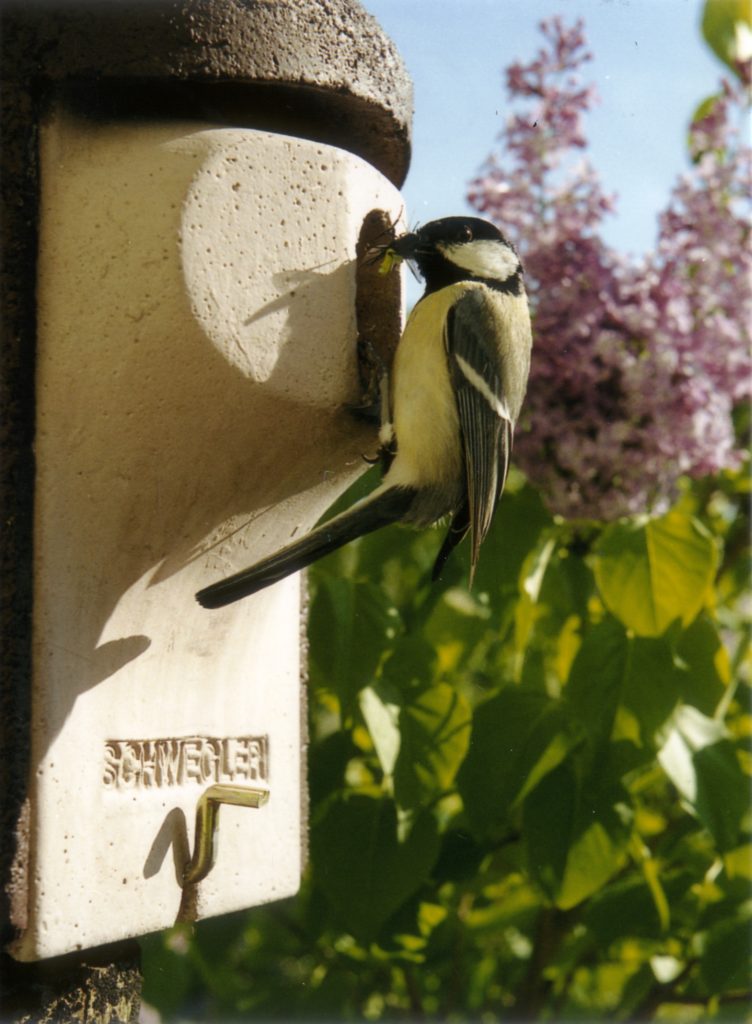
x=207 y=825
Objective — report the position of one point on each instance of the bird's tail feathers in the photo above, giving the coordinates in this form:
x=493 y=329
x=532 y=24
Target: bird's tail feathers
x=376 y=510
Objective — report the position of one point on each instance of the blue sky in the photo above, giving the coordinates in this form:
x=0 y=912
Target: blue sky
x=651 y=68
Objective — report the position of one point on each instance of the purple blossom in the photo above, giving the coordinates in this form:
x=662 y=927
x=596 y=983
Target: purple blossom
x=638 y=364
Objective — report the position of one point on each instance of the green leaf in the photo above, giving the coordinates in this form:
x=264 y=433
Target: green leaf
x=703 y=765
x=622 y=688
x=727 y=28
x=364 y=869
x=725 y=960
x=651 y=687
x=411 y=663
x=351 y=624
x=327 y=762
x=722 y=792
x=518 y=737
x=576 y=835
x=689 y=730
x=517 y=524
x=532 y=574
x=627 y=908
x=548 y=823
x=535 y=566
x=653 y=573
x=169 y=978
x=599 y=847
x=381 y=716
x=435 y=730
x=460 y=857
x=399 y=557
x=456 y=628
x=596 y=679
x=568 y=584
x=704 y=668
x=703 y=109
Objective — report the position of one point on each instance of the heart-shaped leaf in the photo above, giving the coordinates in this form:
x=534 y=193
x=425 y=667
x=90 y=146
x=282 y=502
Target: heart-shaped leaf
x=363 y=865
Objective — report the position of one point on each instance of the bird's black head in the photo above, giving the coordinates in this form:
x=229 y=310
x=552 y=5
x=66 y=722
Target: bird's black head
x=457 y=249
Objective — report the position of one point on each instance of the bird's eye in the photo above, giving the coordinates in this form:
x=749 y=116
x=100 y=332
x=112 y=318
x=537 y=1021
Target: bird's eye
x=466 y=234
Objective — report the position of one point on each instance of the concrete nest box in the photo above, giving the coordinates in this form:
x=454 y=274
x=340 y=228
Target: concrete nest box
x=187 y=188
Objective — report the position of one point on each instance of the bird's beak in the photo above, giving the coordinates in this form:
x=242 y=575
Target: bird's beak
x=402 y=248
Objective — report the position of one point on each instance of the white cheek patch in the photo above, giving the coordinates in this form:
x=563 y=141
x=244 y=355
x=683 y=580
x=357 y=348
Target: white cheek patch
x=484 y=258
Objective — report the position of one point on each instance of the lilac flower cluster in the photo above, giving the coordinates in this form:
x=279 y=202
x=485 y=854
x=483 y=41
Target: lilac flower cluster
x=638 y=364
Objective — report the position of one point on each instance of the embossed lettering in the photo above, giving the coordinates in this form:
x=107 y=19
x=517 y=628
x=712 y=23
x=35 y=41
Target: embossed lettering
x=177 y=761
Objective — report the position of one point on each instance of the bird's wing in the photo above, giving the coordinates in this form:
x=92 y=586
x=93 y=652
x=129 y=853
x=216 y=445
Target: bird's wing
x=486 y=424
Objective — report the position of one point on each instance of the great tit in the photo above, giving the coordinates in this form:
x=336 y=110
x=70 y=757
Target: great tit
x=450 y=406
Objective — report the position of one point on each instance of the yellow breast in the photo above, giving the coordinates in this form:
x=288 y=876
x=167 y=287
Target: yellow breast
x=423 y=404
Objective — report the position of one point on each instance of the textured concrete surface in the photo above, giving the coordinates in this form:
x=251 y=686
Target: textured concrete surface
x=321 y=71
x=318 y=69
x=197 y=335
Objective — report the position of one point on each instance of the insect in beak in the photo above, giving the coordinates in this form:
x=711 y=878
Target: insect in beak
x=389 y=261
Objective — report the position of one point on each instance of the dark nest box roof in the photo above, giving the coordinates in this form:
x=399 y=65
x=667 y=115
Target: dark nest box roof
x=319 y=69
